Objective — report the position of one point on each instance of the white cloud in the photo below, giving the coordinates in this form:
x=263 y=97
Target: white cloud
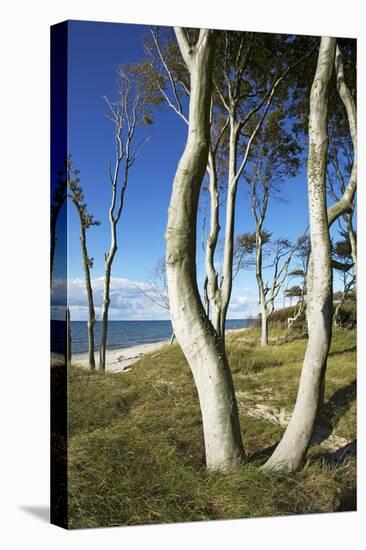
x=127 y=301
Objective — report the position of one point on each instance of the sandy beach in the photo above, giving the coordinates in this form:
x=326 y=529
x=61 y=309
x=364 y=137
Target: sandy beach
x=120 y=359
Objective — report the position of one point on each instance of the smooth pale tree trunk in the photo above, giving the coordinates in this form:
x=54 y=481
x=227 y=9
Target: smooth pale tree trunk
x=201 y=346
x=89 y=293
x=212 y=288
x=293 y=446
x=264 y=330
x=346 y=201
x=352 y=240
x=227 y=282
x=262 y=296
x=106 y=298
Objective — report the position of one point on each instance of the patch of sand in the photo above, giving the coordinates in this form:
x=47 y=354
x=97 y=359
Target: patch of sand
x=119 y=359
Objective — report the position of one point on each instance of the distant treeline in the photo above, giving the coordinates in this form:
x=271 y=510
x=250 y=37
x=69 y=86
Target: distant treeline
x=346 y=317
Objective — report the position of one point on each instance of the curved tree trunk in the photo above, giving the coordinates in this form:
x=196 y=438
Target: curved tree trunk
x=346 y=201
x=201 y=346
x=293 y=446
x=212 y=289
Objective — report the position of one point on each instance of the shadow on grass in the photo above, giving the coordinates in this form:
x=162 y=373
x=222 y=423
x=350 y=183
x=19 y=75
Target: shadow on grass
x=342 y=454
x=341 y=352
x=339 y=404
x=263 y=455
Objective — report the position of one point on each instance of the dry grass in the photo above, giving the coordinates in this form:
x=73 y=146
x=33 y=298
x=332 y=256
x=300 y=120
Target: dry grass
x=136 y=450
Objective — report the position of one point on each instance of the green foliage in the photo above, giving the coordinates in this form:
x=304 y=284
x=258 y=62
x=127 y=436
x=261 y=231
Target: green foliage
x=136 y=451
x=77 y=196
x=294 y=291
x=347 y=315
x=342 y=249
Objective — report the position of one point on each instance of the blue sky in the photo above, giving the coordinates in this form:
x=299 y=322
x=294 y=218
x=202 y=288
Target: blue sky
x=95 y=50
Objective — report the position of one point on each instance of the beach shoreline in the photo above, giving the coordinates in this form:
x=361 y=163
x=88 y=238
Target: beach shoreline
x=119 y=359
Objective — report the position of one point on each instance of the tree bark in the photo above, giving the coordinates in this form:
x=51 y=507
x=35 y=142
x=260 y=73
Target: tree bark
x=227 y=282
x=294 y=444
x=264 y=333
x=106 y=298
x=346 y=201
x=201 y=346
x=259 y=277
x=213 y=292
x=89 y=293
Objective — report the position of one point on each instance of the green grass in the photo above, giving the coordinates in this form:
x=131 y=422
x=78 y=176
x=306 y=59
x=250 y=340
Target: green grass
x=136 y=452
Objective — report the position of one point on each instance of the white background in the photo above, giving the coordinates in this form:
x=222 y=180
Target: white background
x=24 y=218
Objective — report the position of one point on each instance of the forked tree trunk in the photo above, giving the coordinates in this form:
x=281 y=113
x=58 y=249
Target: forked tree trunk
x=293 y=446
x=201 y=346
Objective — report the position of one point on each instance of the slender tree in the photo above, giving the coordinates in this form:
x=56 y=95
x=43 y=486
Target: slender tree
x=156 y=288
x=127 y=113
x=293 y=446
x=242 y=98
x=86 y=221
x=201 y=346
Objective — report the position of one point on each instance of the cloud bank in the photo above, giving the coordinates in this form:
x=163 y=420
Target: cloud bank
x=129 y=303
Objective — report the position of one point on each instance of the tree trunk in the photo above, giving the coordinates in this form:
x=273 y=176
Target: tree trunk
x=259 y=277
x=352 y=240
x=89 y=293
x=264 y=322
x=106 y=293
x=105 y=310
x=346 y=201
x=227 y=282
x=212 y=289
x=201 y=346
x=294 y=444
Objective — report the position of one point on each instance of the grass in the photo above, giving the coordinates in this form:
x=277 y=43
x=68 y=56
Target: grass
x=136 y=452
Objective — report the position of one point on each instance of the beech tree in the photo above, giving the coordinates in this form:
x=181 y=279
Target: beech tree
x=274 y=158
x=86 y=221
x=127 y=113
x=292 y=448
x=302 y=259
x=202 y=347
x=247 y=78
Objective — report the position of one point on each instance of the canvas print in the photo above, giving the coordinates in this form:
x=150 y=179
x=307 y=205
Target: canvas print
x=203 y=274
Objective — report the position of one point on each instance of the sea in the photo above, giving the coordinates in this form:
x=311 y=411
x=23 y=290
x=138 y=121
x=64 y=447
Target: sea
x=128 y=333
